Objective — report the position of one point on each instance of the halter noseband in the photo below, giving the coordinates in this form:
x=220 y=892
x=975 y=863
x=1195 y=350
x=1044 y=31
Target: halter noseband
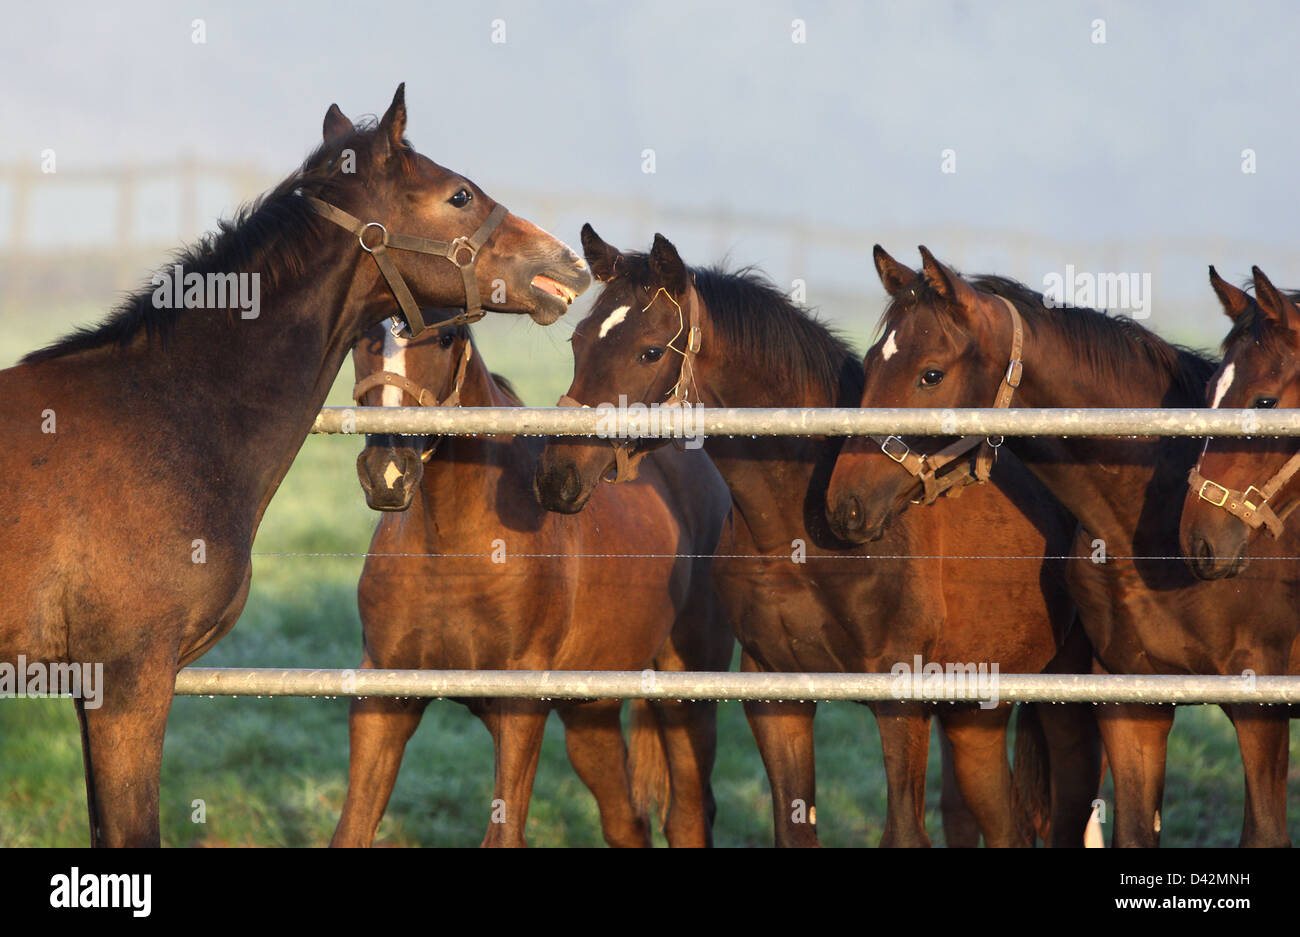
x=450 y=250
x=1251 y=505
x=422 y=395
x=926 y=468
x=628 y=463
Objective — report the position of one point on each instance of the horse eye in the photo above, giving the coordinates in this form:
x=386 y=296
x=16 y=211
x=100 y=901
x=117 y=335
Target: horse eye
x=1265 y=403
x=652 y=354
x=447 y=340
x=461 y=198
x=931 y=377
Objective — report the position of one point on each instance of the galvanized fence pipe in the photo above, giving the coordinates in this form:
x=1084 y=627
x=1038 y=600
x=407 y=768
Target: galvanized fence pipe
x=822 y=421
x=600 y=684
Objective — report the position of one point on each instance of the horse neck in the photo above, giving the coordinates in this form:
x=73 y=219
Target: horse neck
x=465 y=474
x=1120 y=490
x=236 y=398
x=764 y=473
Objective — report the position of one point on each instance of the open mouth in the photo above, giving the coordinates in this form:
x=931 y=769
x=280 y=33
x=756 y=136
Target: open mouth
x=547 y=285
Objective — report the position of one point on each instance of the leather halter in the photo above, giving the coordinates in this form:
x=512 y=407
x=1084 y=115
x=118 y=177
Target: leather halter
x=422 y=395
x=1251 y=505
x=927 y=467
x=627 y=462
x=451 y=250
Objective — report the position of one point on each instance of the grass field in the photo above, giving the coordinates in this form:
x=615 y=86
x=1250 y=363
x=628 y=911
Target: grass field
x=272 y=772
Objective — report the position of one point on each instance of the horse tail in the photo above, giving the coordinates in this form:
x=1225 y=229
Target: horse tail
x=647 y=762
x=1031 y=784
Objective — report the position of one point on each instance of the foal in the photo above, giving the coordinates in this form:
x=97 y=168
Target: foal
x=947 y=343
x=467 y=572
x=140 y=454
x=1246 y=486
x=802 y=599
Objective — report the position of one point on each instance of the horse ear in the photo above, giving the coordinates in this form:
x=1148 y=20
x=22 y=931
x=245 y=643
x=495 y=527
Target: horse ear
x=337 y=124
x=893 y=276
x=602 y=258
x=1275 y=304
x=948 y=283
x=667 y=266
x=392 y=126
x=1235 y=301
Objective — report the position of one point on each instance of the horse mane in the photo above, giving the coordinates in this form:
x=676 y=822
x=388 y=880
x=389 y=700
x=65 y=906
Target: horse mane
x=507 y=388
x=1107 y=343
x=754 y=317
x=1254 y=326
x=272 y=235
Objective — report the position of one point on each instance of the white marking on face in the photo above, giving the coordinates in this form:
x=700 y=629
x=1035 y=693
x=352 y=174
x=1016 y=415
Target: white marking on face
x=614 y=318
x=394 y=361
x=891 y=347
x=391 y=474
x=1221 y=388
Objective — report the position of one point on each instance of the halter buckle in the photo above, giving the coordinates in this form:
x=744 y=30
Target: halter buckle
x=902 y=454
x=361 y=236
x=398 y=327
x=1015 y=370
x=1253 y=505
x=456 y=246
x=1223 y=499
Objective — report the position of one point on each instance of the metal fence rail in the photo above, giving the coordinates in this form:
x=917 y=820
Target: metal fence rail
x=555 y=421
x=652 y=684
x=821 y=421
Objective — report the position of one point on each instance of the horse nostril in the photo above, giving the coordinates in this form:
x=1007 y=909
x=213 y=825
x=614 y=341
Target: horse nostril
x=850 y=513
x=572 y=487
x=1203 y=550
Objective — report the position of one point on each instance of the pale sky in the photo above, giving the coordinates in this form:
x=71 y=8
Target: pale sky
x=1074 y=144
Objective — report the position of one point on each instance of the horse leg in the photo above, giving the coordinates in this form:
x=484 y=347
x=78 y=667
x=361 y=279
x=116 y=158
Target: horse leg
x=1136 y=737
x=1263 y=734
x=960 y=831
x=517 y=726
x=783 y=732
x=905 y=743
x=689 y=731
x=122 y=744
x=593 y=736
x=1074 y=764
x=979 y=759
x=701 y=639
x=378 y=730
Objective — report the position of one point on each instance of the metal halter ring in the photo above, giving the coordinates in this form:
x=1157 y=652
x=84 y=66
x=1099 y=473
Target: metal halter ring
x=456 y=246
x=361 y=236
x=992 y=444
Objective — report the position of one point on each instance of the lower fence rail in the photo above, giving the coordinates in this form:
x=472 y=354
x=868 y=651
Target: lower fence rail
x=655 y=684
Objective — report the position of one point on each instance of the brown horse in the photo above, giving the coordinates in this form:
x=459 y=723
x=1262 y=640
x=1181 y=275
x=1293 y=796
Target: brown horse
x=1245 y=486
x=624 y=586
x=947 y=343
x=800 y=598
x=142 y=453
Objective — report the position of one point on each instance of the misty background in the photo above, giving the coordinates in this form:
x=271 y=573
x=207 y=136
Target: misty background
x=796 y=156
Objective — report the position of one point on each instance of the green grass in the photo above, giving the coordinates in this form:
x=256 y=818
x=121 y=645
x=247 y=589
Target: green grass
x=273 y=771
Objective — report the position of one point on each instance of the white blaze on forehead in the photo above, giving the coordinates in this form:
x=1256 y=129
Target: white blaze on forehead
x=391 y=474
x=891 y=347
x=613 y=319
x=1225 y=381
x=394 y=361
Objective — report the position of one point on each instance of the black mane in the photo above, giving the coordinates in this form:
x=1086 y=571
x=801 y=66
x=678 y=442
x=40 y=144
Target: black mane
x=1108 y=343
x=274 y=235
x=781 y=338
